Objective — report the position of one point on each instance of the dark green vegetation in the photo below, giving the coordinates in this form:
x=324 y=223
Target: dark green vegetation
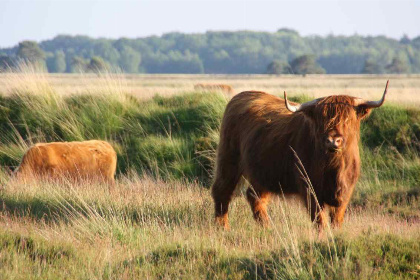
x=223 y=52
x=367 y=257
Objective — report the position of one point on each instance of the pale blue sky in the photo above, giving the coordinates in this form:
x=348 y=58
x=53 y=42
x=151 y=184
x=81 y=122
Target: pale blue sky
x=40 y=20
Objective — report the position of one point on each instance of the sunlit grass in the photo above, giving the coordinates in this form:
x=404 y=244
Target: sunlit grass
x=93 y=229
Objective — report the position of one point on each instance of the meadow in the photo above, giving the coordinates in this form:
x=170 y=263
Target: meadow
x=157 y=223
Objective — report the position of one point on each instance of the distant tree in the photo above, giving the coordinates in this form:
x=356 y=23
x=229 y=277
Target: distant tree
x=416 y=42
x=31 y=52
x=187 y=63
x=288 y=31
x=57 y=63
x=78 y=64
x=398 y=66
x=70 y=54
x=371 y=67
x=175 y=62
x=105 y=50
x=6 y=62
x=97 y=65
x=342 y=62
x=306 y=64
x=129 y=59
x=278 y=67
x=405 y=40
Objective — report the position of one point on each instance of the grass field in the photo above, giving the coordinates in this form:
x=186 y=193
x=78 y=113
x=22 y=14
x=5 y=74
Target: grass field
x=157 y=223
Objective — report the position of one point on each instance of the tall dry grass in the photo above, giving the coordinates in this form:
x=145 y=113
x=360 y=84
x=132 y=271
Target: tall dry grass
x=169 y=226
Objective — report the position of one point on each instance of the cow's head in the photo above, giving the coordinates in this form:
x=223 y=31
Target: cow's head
x=336 y=119
x=336 y=122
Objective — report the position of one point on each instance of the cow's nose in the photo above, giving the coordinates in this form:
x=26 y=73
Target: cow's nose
x=334 y=143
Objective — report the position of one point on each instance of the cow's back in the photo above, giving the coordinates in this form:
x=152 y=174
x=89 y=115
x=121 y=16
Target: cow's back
x=248 y=114
x=77 y=160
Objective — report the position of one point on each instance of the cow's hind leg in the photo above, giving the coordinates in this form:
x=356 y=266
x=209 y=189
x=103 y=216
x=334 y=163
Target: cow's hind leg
x=258 y=202
x=227 y=177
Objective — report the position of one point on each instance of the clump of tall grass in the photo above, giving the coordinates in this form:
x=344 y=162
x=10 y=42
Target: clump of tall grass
x=155 y=136
x=27 y=78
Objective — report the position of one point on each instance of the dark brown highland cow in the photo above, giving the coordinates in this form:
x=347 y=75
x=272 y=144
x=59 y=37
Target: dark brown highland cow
x=259 y=135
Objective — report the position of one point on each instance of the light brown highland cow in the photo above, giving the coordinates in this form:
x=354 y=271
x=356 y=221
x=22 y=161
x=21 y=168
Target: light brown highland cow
x=76 y=161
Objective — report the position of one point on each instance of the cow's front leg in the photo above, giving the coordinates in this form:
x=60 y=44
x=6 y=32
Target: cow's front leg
x=317 y=211
x=337 y=214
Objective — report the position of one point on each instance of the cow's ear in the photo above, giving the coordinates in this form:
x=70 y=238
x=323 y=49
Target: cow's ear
x=362 y=112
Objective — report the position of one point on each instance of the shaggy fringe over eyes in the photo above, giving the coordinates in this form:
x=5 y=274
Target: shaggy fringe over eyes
x=336 y=111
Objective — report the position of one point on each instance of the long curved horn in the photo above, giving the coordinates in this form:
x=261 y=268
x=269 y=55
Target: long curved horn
x=373 y=104
x=296 y=108
x=289 y=106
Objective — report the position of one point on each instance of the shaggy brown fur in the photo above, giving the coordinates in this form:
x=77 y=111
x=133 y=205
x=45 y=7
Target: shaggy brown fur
x=217 y=87
x=257 y=135
x=73 y=160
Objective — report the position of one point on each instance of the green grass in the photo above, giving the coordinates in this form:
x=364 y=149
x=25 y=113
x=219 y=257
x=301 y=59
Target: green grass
x=384 y=257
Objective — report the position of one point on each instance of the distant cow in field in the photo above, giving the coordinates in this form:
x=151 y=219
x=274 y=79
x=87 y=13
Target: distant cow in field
x=214 y=87
x=76 y=161
x=272 y=142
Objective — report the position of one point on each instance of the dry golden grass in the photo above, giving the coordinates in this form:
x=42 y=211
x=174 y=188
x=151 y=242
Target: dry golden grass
x=403 y=89
x=183 y=210
x=140 y=216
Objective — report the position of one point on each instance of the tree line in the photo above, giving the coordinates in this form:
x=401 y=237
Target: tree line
x=240 y=52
